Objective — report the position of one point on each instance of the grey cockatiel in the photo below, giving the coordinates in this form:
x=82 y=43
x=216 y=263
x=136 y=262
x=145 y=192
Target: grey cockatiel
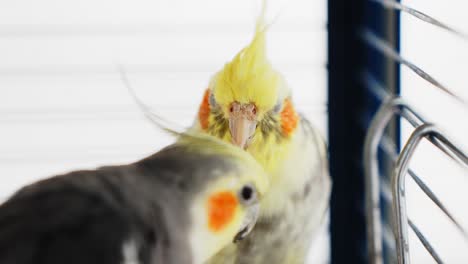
x=178 y=206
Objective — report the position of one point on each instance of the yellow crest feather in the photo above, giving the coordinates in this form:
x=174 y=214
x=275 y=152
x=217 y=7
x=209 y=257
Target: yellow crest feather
x=249 y=77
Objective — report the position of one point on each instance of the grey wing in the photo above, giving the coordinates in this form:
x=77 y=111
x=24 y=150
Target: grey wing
x=60 y=225
x=93 y=217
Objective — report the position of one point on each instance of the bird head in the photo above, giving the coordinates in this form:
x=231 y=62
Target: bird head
x=248 y=102
x=226 y=208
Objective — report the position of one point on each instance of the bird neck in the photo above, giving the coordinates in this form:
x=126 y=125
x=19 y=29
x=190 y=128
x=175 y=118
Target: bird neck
x=269 y=151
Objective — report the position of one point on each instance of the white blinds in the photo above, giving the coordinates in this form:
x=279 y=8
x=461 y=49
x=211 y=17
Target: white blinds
x=62 y=103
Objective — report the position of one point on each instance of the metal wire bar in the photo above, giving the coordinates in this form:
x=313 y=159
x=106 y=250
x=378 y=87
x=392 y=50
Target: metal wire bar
x=411 y=118
x=374 y=86
x=381 y=45
x=371 y=143
x=372 y=180
x=458 y=157
x=425 y=242
x=398 y=183
x=389 y=241
x=375 y=131
x=434 y=199
x=405 y=110
x=399 y=193
x=420 y=15
x=391 y=106
x=386 y=190
x=389 y=148
x=380 y=92
x=415 y=120
x=389 y=237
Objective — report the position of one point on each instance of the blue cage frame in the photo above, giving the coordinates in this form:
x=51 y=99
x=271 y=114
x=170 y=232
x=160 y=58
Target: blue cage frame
x=351 y=106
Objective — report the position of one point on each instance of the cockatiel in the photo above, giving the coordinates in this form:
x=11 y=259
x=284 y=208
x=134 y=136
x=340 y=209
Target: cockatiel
x=249 y=104
x=178 y=206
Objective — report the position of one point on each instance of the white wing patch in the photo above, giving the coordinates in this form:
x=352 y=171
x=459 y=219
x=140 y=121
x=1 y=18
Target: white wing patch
x=130 y=252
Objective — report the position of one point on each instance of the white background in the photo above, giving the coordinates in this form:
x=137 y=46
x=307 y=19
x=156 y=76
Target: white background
x=62 y=103
x=445 y=57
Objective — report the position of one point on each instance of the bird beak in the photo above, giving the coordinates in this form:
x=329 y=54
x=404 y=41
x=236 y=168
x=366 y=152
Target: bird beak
x=249 y=222
x=242 y=124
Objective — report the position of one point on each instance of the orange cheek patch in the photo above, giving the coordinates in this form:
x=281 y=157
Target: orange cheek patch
x=221 y=209
x=289 y=118
x=204 y=111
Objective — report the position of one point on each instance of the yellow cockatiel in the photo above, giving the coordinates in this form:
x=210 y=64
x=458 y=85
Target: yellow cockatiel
x=249 y=104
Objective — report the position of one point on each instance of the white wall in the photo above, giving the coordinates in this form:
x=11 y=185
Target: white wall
x=63 y=106
x=445 y=57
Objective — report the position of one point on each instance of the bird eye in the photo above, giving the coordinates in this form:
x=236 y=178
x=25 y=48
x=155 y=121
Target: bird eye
x=247 y=193
x=277 y=107
x=212 y=99
x=254 y=110
x=231 y=109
